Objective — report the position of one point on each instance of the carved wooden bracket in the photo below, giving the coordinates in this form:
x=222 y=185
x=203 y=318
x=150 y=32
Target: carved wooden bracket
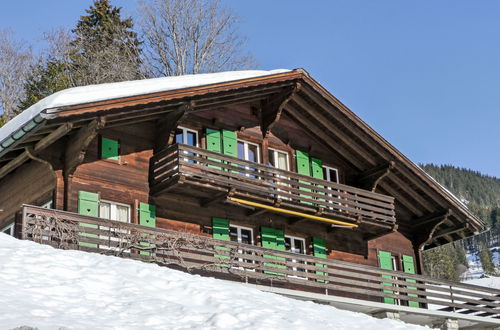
x=165 y=127
x=370 y=179
x=272 y=108
x=432 y=221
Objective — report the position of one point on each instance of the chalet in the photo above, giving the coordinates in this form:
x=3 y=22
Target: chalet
x=257 y=175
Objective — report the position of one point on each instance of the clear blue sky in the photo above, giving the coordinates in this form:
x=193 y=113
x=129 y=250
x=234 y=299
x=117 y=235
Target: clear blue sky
x=424 y=74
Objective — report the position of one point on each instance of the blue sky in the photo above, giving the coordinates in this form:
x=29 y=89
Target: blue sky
x=424 y=74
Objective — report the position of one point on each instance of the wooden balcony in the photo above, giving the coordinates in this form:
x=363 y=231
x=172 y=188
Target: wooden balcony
x=252 y=264
x=212 y=176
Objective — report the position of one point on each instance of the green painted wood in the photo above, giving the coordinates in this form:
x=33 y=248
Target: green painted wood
x=147 y=217
x=304 y=168
x=317 y=173
x=273 y=239
x=213 y=141
x=230 y=143
x=319 y=250
x=88 y=204
x=220 y=230
x=409 y=267
x=110 y=149
x=385 y=262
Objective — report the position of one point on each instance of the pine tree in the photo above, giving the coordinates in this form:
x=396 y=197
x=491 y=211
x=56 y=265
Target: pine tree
x=105 y=48
x=485 y=256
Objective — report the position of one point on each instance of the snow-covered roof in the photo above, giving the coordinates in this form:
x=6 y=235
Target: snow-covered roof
x=94 y=93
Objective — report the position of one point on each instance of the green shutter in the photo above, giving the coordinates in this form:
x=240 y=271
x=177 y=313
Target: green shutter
x=385 y=262
x=317 y=173
x=304 y=168
x=220 y=230
x=88 y=204
x=319 y=250
x=213 y=141
x=229 y=143
x=409 y=267
x=273 y=239
x=110 y=149
x=147 y=217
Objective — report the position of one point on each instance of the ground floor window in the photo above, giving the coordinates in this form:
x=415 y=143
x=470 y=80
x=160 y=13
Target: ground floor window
x=113 y=211
x=296 y=245
x=242 y=235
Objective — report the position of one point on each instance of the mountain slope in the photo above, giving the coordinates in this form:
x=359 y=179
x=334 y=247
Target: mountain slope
x=47 y=288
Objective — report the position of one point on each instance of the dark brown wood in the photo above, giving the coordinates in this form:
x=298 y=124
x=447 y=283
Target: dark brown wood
x=271 y=108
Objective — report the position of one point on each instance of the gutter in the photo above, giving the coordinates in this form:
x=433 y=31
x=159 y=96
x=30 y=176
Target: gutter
x=15 y=137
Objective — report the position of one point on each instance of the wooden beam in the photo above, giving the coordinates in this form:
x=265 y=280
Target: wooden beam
x=272 y=107
x=77 y=145
x=218 y=198
x=256 y=212
x=407 y=204
x=53 y=137
x=371 y=178
x=424 y=203
x=430 y=218
x=13 y=164
x=434 y=221
x=450 y=231
x=165 y=128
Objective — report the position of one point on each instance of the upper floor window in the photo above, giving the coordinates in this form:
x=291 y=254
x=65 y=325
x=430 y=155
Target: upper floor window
x=186 y=136
x=241 y=234
x=279 y=159
x=110 y=149
x=330 y=174
x=248 y=151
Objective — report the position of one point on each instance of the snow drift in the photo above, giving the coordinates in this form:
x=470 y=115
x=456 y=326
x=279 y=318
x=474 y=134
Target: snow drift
x=48 y=288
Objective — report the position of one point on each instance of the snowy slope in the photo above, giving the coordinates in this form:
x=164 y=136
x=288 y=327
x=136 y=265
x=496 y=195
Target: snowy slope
x=489 y=282
x=48 y=288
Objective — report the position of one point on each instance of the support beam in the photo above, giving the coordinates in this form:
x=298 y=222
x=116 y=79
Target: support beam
x=165 y=128
x=430 y=218
x=450 y=231
x=371 y=178
x=401 y=199
x=434 y=222
x=218 y=198
x=277 y=203
x=271 y=108
x=77 y=145
x=318 y=213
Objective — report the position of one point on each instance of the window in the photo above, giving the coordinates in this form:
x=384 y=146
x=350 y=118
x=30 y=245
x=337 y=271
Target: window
x=279 y=159
x=186 y=136
x=331 y=174
x=48 y=205
x=250 y=152
x=113 y=211
x=242 y=235
x=9 y=229
x=296 y=245
x=110 y=149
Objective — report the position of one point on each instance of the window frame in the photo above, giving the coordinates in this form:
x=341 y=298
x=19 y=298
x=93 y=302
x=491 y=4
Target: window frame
x=238 y=233
x=297 y=268
x=185 y=130
x=245 y=150
x=10 y=227
x=275 y=156
x=112 y=210
x=328 y=169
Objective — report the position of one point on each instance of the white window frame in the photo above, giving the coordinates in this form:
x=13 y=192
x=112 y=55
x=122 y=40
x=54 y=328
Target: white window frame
x=9 y=227
x=185 y=130
x=275 y=156
x=329 y=169
x=245 y=150
x=48 y=205
x=238 y=235
x=394 y=261
x=292 y=241
x=112 y=215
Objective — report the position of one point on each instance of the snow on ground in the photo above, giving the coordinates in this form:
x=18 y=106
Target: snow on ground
x=489 y=282
x=48 y=288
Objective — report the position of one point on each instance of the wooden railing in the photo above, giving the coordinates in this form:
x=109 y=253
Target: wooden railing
x=251 y=263
x=266 y=184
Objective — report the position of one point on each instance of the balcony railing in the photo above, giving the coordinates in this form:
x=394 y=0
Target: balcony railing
x=270 y=186
x=253 y=264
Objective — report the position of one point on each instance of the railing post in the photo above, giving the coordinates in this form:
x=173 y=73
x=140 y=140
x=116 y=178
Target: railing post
x=452 y=299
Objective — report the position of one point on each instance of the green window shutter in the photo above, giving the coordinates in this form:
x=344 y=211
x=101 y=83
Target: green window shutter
x=280 y=240
x=268 y=238
x=273 y=239
x=213 y=140
x=409 y=267
x=110 y=149
x=317 y=168
x=147 y=215
x=220 y=229
x=303 y=166
x=385 y=262
x=88 y=204
x=229 y=143
x=319 y=250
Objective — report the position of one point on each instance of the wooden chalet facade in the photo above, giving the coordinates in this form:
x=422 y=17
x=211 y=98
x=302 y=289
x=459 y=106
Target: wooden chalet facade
x=268 y=162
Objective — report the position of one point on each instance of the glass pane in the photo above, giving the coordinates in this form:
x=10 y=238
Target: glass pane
x=252 y=153
x=246 y=236
x=191 y=138
x=122 y=213
x=104 y=210
x=271 y=158
x=241 y=150
x=299 y=246
x=233 y=234
x=287 y=243
x=179 y=137
x=282 y=161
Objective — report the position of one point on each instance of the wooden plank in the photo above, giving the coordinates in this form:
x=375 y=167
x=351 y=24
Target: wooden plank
x=52 y=137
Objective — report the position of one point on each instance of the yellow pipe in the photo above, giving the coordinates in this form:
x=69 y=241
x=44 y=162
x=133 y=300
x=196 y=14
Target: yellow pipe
x=300 y=214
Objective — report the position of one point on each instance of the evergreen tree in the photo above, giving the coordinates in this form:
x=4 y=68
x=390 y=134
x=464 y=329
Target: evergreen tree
x=3 y=120
x=105 y=48
x=485 y=256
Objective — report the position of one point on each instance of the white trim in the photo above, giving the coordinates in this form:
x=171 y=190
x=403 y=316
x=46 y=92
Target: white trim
x=292 y=241
x=275 y=156
x=185 y=130
x=112 y=211
x=10 y=228
x=245 y=150
x=238 y=233
x=328 y=177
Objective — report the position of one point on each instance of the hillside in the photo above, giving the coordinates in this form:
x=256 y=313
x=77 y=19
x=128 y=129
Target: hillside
x=48 y=288
x=481 y=194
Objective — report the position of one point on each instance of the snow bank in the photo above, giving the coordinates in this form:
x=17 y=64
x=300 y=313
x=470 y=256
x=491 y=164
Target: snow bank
x=48 y=289
x=94 y=93
x=489 y=282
